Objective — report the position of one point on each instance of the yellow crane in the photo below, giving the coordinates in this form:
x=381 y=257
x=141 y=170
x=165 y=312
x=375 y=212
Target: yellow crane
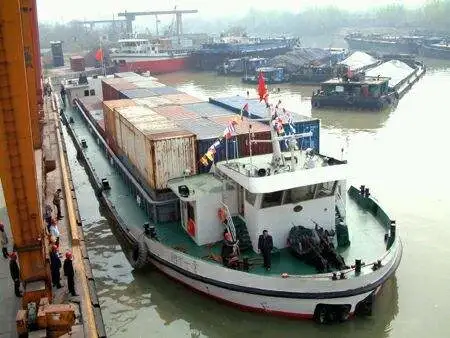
x=20 y=134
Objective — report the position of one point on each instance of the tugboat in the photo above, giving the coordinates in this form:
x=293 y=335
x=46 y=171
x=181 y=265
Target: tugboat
x=355 y=91
x=330 y=250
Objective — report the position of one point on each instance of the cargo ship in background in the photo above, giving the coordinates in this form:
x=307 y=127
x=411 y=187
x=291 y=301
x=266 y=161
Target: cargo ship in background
x=440 y=50
x=210 y=181
x=143 y=55
x=213 y=55
x=429 y=46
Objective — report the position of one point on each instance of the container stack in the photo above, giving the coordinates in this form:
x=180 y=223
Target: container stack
x=159 y=132
x=57 y=53
x=77 y=63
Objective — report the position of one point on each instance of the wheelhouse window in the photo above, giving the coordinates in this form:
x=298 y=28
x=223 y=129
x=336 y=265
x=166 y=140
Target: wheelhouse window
x=310 y=192
x=272 y=199
x=250 y=197
x=299 y=194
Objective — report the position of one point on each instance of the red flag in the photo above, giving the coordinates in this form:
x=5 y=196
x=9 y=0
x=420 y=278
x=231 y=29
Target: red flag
x=262 y=90
x=99 y=55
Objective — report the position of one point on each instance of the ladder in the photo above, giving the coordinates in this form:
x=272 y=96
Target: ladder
x=230 y=225
x=340 y=205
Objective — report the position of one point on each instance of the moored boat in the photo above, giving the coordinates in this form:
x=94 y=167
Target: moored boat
x=272 y=75
x=214 y=248
x=436 y=51
x=140 y=55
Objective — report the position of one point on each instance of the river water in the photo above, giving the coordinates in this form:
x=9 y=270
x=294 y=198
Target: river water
x=400 y=155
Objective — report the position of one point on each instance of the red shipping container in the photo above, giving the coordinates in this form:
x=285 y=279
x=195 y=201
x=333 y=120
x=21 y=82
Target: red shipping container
x=77 y=63
x=112 y=86
x=258 y=131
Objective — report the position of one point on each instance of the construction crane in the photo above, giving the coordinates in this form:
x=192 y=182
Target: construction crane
x=92 y=23
x=20 y=134
x=131 y=16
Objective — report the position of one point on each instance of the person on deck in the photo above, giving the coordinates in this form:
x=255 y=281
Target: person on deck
x=3 y=240
x=62 y=92
x=48 y=216
x=69 y=273
x=15 y=273
x=265 y=246
x=57 y=202
x=55 y=265
x=54 y=232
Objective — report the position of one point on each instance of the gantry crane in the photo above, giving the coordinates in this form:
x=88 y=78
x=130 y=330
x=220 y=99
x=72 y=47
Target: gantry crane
x=20 y=134
x=131 y=16
x=120 y=23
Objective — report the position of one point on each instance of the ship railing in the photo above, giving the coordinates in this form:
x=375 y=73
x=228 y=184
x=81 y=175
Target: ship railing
x=230 y=225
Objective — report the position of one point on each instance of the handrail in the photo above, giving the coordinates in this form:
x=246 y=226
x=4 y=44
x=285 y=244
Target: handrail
x=119 y=163
x=230 y=224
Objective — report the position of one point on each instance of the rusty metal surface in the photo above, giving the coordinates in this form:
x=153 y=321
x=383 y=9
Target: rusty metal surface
x=91 y=102
x=176 y=113
x=181 y=99
x=155 y=145
x=154 y=101
x=110 y=120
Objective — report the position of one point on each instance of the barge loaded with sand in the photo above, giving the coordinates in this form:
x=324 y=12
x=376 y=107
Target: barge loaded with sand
x=193 y=184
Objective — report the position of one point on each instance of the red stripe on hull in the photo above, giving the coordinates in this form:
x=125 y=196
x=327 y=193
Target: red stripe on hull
x=155 y=66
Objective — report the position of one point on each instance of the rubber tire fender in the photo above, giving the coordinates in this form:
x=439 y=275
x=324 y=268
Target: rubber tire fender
x=138 y=255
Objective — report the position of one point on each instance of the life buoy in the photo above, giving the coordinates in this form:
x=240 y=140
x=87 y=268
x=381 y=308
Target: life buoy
x=191 y=227
x=222 y=215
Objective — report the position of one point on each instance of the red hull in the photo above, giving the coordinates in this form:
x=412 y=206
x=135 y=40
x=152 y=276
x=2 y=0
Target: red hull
x=159 y=66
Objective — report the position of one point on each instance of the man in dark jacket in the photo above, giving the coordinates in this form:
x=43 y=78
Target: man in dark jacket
x=265 y=245
x=15 y=273
x=55 y=265
x=57 y=202
x=69 y=273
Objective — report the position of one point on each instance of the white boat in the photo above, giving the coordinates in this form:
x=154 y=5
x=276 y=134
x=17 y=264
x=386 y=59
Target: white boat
x=277 y=192
x=142 y=55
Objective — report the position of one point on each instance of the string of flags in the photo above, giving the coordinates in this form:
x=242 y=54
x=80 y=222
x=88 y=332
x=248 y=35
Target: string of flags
x=229 y=131
x=281 y=120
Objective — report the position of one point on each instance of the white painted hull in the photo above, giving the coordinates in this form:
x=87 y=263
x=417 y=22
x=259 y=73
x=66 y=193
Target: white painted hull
x=295 y=296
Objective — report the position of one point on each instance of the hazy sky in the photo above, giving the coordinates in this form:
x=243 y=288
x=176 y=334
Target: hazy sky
x=63 y=10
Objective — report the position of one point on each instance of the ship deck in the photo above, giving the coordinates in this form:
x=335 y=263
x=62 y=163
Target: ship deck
x=366 y=232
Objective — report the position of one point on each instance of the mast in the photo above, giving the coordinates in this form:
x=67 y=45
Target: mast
x=277 y=157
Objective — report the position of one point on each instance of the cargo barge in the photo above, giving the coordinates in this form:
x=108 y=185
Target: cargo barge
x=297 y=195
x=384 y=44
x=377 y=88
x=213 y=55
x=439 y=50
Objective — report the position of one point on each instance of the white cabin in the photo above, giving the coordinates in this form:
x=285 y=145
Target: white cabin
x=301 y=188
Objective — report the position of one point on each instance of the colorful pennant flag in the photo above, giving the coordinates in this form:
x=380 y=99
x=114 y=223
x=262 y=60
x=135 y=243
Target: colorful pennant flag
x=244 y=109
